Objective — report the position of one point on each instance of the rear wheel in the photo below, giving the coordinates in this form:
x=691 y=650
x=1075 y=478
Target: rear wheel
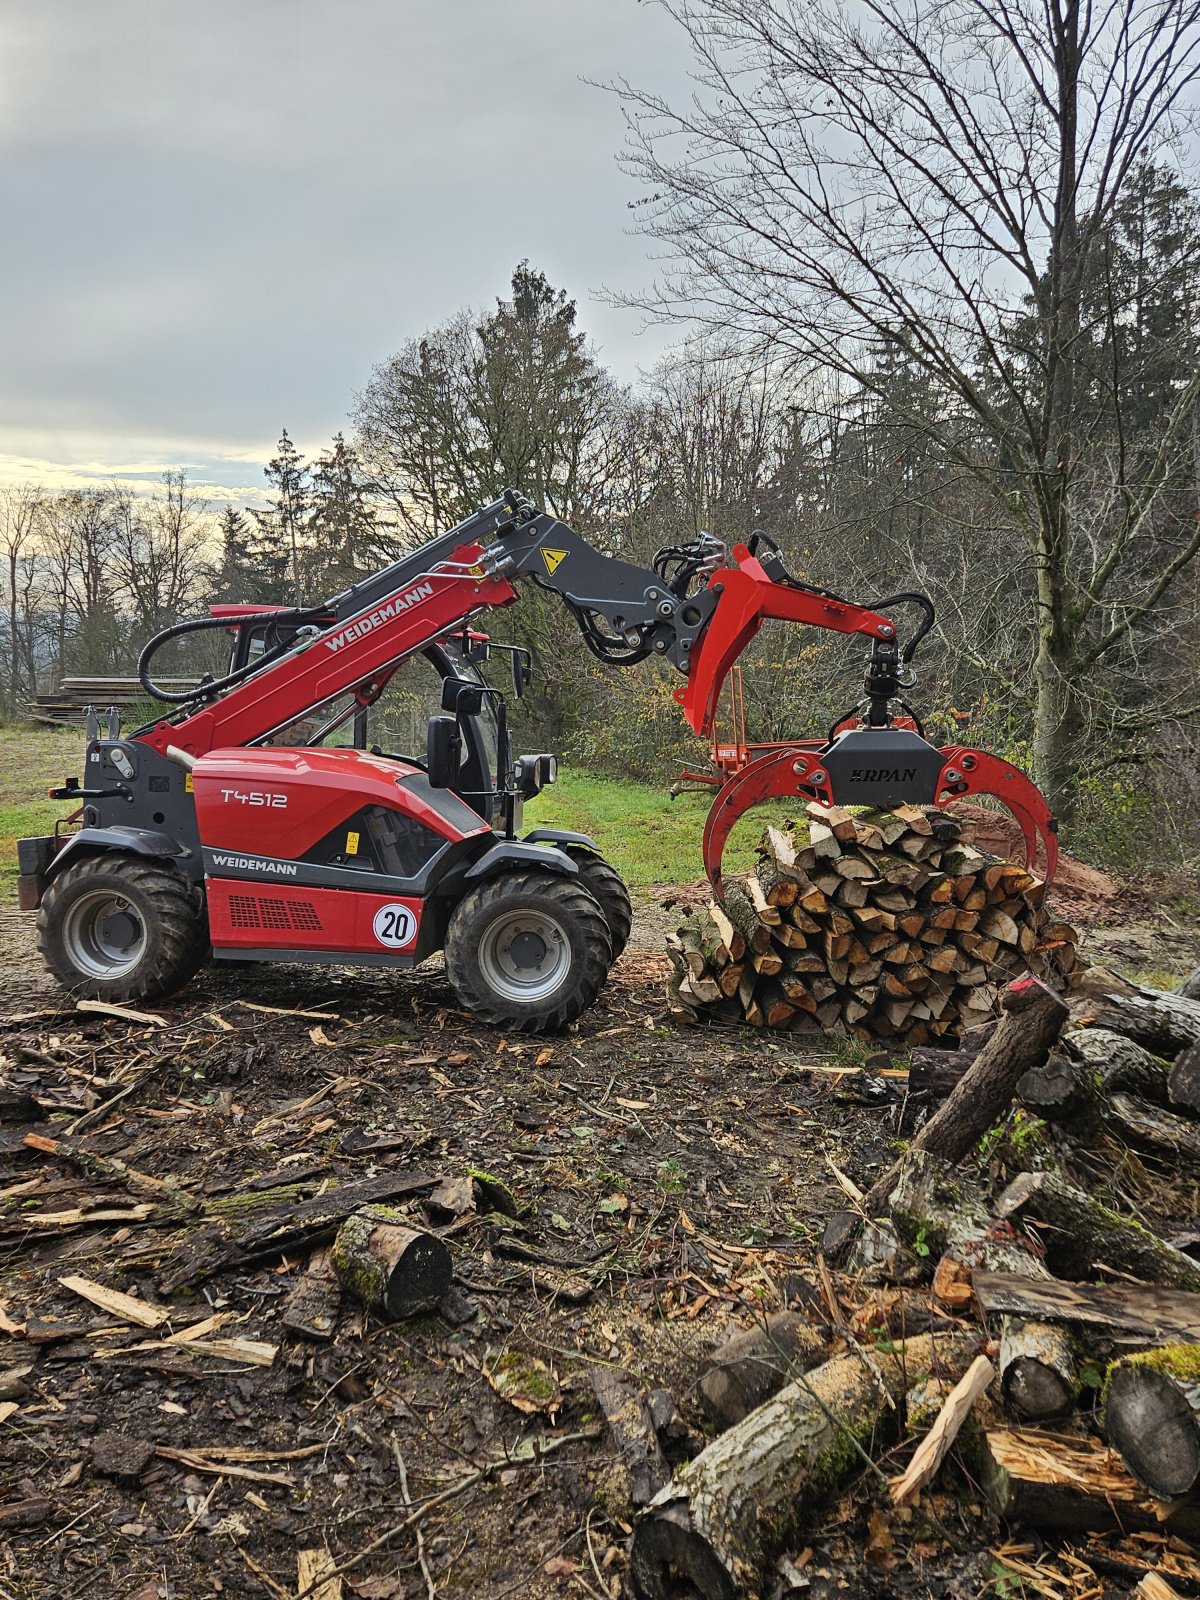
x=120 y=927
x=607 y=886
x=530 y=949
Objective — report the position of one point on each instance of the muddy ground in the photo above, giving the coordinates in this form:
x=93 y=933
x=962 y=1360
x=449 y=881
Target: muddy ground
x=669 y=1183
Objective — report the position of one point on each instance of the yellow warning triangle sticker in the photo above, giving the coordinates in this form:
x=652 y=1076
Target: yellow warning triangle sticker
x=553 y=559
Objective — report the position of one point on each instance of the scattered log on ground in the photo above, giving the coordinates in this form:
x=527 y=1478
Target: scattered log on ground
x=1081 y=1234
x=639 y=1471
x=1146 y=1309
x=1039 y=1375
x=929 y=1204
x=1152 y=1417
x=1189 y=989
x=1164 y=1023
x=880 y=924
x=390 y=1266
x=1032 y=1019
x=755 y=1364
x=936 y=1072
x=1183 y=1085
x=723 y=1519
x=1043 y=1480
x=311 y=1310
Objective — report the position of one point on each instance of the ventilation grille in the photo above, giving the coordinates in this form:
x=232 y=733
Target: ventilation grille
x=251 y=911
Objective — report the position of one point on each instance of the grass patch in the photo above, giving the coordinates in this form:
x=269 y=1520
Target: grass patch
x=31 y=761
x=647 y=836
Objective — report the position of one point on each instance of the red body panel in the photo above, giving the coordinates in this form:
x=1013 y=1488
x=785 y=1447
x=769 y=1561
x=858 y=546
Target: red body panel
x=748 y=598
x=245 y=914
x=280 y=802
x=433 y=604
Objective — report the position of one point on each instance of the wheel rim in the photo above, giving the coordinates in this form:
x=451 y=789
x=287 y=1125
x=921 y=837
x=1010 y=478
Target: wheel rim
x=524 y=955
x=103 y=935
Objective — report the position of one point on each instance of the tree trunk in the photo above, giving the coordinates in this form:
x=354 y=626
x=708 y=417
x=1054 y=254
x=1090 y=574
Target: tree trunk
x=1033 y=1016
x=1038 y=1374
x=1081 y=1232
x=754 y=1365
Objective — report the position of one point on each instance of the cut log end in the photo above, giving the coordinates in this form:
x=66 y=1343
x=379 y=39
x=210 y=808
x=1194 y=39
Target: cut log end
x=391 y=1267
x=1152 y=1418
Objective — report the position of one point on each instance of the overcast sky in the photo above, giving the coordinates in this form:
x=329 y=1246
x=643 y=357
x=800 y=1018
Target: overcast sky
x=218 y=215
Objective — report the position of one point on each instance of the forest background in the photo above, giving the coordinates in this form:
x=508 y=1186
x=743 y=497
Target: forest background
x=953 y=347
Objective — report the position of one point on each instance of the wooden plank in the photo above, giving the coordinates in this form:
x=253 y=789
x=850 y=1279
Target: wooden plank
x=1168 y=1314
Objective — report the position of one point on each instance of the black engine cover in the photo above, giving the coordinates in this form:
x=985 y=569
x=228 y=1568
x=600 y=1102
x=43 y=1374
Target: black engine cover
x=883 y=767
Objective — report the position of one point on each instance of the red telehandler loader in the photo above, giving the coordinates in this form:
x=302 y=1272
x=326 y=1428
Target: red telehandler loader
x=238 y=827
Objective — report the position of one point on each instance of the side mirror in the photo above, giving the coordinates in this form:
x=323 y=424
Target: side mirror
x=464 y=699
x=443 y=752
x=522 y=671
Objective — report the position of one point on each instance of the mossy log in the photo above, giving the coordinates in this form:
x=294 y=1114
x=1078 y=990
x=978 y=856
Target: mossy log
x=724 y=1517
x=756 y=1363
x=391 y=1267
x=1079 y=1232
x=1038 y=1369
x=1152 y=1417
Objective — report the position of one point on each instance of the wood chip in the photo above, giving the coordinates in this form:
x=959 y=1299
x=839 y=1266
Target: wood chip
x=285 y=1011
x=126 y=1306
x=311 y=1567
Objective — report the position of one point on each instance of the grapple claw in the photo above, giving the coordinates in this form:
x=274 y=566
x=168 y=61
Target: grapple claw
x=799 y=771
x=979 y=772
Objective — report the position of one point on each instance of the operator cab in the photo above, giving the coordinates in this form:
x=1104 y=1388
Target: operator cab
x=405 y=720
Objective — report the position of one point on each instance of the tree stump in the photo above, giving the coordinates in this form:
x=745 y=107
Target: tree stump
x=390 y=1266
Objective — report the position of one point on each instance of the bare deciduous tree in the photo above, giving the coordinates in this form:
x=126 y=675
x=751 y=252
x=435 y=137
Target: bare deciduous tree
x=939 y=181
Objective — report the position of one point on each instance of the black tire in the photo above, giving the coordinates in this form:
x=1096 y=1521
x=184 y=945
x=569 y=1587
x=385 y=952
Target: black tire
x=606 y=885
x=493 y=958
x=118 y=927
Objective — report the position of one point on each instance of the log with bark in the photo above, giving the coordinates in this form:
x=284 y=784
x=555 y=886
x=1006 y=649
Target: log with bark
x=1164 y=1023
x=1152 y=1417
x=1039 y=1375
x=880 y=924
x=389 y=1265
x=1042 y=1480
x=639 y=1470
x=1149 y=1310
x=724 y=1517
x=753 y=1365
x=1081 y=1234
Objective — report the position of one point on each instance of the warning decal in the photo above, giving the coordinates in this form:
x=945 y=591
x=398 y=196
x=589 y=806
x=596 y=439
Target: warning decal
x=553 y=559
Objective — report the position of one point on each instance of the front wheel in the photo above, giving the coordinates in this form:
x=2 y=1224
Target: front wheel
x=117 y=927
x=530 y=949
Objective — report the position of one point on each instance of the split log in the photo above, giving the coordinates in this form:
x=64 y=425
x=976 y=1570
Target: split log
x=639 y=1471
x=1082 y=1233
x=885 y=923
x=1152 y=1417
x=1047 y=1480
x=1163 y=1023
x=755 y=1364
x=724 y=1517
x=1033 y=1016
x=1038 y=1369
x=390 y=1266
x=932 y=1450
x=1146 y=1309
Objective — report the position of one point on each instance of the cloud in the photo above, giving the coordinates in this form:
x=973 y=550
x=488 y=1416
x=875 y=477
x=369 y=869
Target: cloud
x=219 y=217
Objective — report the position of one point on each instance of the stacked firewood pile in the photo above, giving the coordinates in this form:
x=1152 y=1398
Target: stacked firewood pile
x=880 y=924
x=1010 y=1308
